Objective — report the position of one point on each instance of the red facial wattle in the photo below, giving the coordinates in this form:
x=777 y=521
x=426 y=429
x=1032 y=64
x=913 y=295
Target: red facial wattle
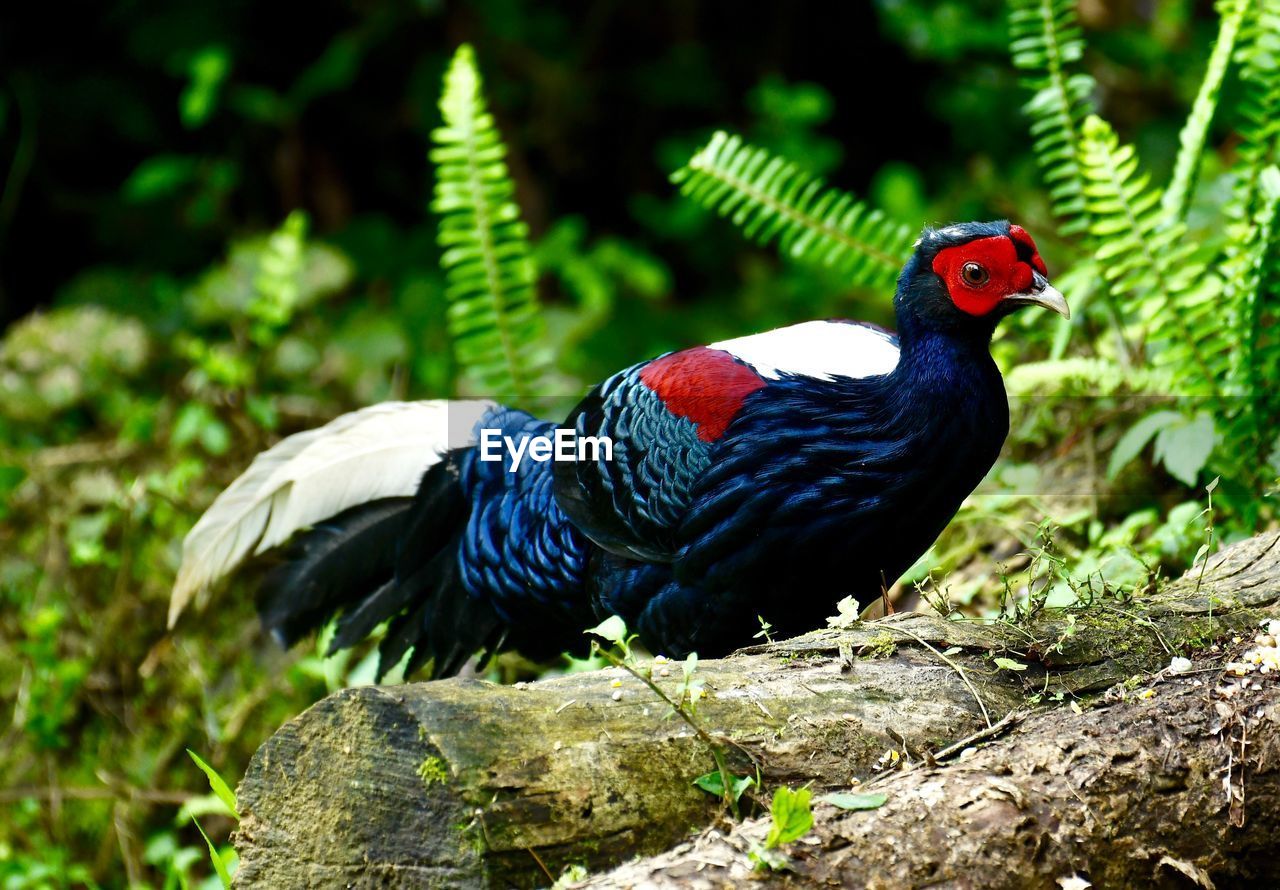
x=1019 y=234
x=997 y=256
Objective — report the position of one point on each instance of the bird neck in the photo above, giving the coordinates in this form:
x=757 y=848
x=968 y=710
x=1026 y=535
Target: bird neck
x=945 y=361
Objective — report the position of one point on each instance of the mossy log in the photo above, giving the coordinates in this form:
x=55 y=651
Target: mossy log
x=464 y=783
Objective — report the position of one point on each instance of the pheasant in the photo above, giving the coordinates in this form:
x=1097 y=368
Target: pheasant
x=765 y=477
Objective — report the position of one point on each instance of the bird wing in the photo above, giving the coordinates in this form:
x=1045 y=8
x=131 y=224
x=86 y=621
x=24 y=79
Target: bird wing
x=667 y=418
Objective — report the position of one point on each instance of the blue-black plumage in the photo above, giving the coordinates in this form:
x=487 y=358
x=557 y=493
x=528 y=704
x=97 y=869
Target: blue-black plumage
x=764 y=477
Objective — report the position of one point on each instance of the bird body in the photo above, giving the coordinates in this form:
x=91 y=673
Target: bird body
x=762 y=477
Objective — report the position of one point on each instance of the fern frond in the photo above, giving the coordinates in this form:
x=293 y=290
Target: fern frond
x=494 y=318
x=773 y=200
x=1251 y=270
x=1257 y=364
x=1251 y=255
x=1094 y=376
x=1151 y=266
x=1045 y=41
x=1259 y=110
x=1177 y=196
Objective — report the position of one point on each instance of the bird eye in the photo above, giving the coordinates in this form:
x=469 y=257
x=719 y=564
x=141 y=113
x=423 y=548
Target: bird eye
x=974 y=274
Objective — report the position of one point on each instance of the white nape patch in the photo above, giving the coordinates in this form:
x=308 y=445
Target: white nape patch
x=823 y=350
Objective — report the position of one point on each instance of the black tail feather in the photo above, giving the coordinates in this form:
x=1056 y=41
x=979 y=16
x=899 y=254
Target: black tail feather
x=349 y=554
x=387 y=601
x=389 y=559
x=446 y=627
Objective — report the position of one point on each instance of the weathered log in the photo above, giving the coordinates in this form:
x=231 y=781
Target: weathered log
x=1131 y=793
x=463 y=783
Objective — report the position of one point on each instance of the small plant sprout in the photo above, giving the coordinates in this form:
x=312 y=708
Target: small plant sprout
x=1202 y=555
x=765 y=627
x=790 y=818
x=224 y=863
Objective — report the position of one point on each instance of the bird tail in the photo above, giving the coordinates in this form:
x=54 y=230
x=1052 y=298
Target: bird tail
x=382 y=502
x=393 y=559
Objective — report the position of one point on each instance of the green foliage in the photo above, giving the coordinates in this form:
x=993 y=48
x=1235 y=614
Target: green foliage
x=217 y=785
x=494 y=321
x=70 y=358
x=223 y=863
x=613 y=630
x=1251 y=254
x=714 y=784
x=1177 y=196
x=1198 y=313
x=1172 y=297
x=1046 y=41
x=790 y=818
x=277 y=285
x=1258 y=112
x=773 y=200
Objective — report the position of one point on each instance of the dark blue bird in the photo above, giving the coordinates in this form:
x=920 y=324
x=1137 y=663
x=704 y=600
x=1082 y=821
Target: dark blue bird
x=765 y=477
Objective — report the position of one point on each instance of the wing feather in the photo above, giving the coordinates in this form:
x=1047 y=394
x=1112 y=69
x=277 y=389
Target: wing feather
x=377 y=452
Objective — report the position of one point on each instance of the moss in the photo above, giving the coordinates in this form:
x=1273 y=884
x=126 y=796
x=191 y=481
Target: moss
x=882 y=645
x=433 y=770
x=472 y=836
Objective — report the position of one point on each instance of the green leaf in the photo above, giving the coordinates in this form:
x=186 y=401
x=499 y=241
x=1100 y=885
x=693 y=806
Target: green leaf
x=792 y=816
x=1136 y=439
x=197 y=422
x=495 y=323
x=1177 y=197
x=853 y=801
x=207 y=71
x=10 y=478
x=159 y=176
x=1184 y=448
x=1046 y=44
x=219 y=864
x=200 y=805
x=216 y=784
x=1009 y=664
x=773 y=201
x=613 y=629
x=690 y=665
x=1163 y=294
x=713 y=783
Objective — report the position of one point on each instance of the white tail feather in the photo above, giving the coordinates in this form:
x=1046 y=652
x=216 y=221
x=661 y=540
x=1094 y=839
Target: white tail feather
x=377 y=452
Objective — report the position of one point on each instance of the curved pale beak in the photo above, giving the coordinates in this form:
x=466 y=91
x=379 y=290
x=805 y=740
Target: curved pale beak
x=1041 y=293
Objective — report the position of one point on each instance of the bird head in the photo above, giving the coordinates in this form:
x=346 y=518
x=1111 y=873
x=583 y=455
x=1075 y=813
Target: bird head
x=966 y=277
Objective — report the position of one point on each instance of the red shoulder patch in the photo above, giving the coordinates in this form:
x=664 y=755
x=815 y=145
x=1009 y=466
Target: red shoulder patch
x=704 y=385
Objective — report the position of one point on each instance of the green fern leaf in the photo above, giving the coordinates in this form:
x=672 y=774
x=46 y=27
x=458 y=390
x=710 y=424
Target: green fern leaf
x=1165 y=291
x=1259 y=109
x=1079 y=375
x=1177 y=197
x=494 y=318
x=1252 y=313
x=1251 y=254
x=1045 y=41
x=774 y=201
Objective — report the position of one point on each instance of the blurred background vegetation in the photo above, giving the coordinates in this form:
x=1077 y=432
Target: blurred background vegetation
x=175 y=174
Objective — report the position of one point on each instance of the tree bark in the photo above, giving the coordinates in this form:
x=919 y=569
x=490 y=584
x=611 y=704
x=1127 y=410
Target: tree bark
x=464 y=783
x=1130 y=793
